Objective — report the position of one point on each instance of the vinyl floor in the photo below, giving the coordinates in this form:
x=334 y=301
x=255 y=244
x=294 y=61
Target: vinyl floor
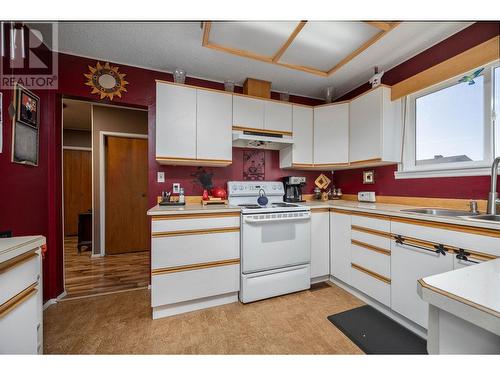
x=121 y=323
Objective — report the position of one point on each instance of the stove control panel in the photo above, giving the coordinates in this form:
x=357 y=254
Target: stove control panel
x=252 y=188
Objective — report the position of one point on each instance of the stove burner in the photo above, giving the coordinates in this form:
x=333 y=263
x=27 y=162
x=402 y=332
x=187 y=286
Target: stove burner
x=279 y=204
x=252 y=206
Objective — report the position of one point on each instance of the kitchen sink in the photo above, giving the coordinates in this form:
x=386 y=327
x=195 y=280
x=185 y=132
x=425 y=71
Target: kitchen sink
x=441 y=212
x=495 y=218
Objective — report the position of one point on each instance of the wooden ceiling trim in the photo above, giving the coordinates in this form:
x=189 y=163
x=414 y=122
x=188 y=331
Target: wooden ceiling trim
x=384 y=26
x=207 y=25
x=474 y=57
x=289 y=41
x=363 y=47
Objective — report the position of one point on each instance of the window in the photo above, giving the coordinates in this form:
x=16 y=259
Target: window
x=450 y=129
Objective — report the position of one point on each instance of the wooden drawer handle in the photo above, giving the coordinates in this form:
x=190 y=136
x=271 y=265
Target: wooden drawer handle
x=193 y=232
x=380 y=233
x=18 y=299
x=371 y=247
x=371 y=273
x=201 y=215
x=190 y=267
x=16 y=261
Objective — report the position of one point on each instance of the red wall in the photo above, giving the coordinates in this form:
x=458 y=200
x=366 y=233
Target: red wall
x=31 y=196
x=476 y=187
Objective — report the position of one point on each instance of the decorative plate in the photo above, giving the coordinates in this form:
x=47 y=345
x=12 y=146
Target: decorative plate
x=106 y=81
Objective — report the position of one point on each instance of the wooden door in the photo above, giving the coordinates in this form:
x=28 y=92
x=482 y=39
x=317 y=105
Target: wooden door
x=126 y=223
x=77 y=167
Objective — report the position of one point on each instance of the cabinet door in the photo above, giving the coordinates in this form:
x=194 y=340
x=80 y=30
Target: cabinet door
x=331 y=134
x=409 y=264
x=277 y=116
x=302 y=148
x=214 y=121
x=175 y=121
x=365 y=116
x=320 y=244
x=248 y=112
x=340 y=246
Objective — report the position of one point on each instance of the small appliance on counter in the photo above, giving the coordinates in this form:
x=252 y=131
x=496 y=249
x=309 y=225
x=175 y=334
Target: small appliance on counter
x=293 y=188
x=168 y=200
x=367 y=196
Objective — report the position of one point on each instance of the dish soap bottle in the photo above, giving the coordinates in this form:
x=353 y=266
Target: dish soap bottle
x=181 y=196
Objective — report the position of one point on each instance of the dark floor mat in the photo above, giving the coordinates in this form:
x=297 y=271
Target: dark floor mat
x=375 y=333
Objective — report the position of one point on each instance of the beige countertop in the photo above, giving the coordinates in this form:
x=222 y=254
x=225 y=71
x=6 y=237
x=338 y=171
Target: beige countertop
x=471 y=293
x=14 y=246
x=375 y=208
x=194 y=208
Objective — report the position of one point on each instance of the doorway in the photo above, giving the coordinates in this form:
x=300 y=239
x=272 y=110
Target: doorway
x=105 y=169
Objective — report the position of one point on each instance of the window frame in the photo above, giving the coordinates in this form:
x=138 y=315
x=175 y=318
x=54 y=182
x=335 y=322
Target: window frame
x=409 y=168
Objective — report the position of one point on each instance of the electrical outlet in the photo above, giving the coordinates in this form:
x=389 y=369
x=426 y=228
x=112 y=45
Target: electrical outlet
x=176 y=187
x=160 y=176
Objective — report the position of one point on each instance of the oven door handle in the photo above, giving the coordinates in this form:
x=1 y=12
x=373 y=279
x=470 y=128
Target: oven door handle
x=282 y=219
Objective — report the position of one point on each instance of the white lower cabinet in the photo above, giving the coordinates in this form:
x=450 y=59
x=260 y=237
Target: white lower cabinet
x=340 y=246
x=21 y=295
x=320 y=242
x=195 y=261
x=372 y=286
x=409 y=263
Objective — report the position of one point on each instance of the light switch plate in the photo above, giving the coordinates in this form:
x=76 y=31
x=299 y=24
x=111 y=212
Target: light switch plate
x=176 y=188
x=160 y=176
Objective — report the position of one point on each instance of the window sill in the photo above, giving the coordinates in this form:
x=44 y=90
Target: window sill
x=463 y=172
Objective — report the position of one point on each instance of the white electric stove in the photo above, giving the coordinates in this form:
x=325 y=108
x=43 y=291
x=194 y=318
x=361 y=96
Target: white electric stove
x=275 y=240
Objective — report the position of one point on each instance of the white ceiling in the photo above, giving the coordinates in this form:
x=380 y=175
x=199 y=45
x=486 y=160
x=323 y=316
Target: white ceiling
x=168 y=45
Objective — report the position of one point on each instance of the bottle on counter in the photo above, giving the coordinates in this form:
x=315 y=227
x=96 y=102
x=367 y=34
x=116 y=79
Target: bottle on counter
x=181 y=196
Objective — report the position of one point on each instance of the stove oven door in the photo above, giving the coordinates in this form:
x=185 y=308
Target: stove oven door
x=275 y=240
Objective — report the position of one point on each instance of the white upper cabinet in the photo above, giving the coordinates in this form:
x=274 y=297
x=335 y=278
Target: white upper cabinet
x=375 y=128
x=248 y=112
x=331 y=134
x=277 y=116
x=301 y=152
x=214 y=120
x=193 y=127
x=175 y=121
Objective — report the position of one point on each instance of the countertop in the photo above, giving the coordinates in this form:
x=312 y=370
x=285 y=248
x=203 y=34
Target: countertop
x=14 y=246
x=194 y=208
x=471 y=293
x=376 y=208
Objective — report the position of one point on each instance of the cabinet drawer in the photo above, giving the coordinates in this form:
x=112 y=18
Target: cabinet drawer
x=376 y=287
x=378 y=224
x=17 y=274
x=372 y=258
x=194 y=221
x=18 y=325
x=182 y=286
x=367 y=236
x=192 y=249
x=467 y=238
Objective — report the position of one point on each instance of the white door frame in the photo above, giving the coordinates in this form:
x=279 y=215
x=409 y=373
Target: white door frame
x=102 y=181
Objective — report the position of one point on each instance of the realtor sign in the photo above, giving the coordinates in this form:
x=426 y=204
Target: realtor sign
x=29 y=55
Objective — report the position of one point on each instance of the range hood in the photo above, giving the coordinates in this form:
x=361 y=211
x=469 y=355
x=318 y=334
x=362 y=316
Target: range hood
x=257 y=138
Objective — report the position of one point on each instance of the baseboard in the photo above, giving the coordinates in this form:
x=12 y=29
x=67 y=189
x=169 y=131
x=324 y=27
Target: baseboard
x=415 y=328
x=53 y=301
x=199 y=304
x=320 y=279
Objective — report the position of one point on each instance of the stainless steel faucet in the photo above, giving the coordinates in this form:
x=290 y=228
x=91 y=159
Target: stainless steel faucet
x=493 y=200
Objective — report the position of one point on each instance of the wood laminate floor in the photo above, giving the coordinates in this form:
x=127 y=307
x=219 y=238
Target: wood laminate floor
x=121 y=323
x=86 y=276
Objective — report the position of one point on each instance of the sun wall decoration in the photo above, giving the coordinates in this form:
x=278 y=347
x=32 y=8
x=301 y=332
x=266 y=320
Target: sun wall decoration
x=106 y=81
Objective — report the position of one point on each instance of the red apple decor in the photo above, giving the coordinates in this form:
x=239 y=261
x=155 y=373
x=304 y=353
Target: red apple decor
x=219 y=192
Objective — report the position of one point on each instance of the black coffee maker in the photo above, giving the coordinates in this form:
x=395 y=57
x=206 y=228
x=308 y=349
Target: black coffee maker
x=293 y=188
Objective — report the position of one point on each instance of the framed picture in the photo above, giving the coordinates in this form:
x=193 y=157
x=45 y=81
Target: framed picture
x=27 y=107
x=368 y=177
x=254 y=162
